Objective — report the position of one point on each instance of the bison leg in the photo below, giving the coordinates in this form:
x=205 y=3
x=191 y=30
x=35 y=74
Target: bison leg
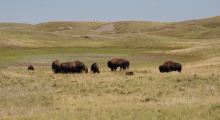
x=116 y=68
x=113 y=68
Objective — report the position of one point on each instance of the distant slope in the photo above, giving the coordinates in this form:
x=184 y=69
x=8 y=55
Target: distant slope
x=60 y=26
x=14 y=25
x=136 y=26
x=127 y=34
x=202 y=28
x=120 y=27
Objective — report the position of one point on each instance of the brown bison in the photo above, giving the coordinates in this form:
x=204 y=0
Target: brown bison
x=95 y=68
x=85 y=69
x=129 y=73
x=30 y=67
x=69 y=67
x=114 y=63
x=80 y=66
x=56 y=66
x=170 y=66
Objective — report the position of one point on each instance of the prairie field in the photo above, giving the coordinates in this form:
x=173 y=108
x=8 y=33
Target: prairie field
x=147 y=95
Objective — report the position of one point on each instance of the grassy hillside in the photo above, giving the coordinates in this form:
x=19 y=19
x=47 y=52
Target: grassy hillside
x=135 y=26
x=203 y=28
x=59 y=26
x=14 y=26
x=192 y=94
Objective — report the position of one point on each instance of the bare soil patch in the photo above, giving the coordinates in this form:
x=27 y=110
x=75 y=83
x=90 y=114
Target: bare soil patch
x=110 y=28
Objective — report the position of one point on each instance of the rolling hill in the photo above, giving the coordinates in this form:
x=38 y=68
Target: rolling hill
x=148 y=37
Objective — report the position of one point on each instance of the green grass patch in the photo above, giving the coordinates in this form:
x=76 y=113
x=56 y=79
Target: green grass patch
x=47 y=55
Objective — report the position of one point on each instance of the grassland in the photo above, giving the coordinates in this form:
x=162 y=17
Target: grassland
x=193 y=94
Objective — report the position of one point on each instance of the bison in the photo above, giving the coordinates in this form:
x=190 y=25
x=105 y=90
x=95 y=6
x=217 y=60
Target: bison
x=30 y=67
x=114 y=63
x=85 y=69
x=95 y=68
x=69 y=67
x=170 y=66
x=80 y=66
x=129 y=73
x=56 y=66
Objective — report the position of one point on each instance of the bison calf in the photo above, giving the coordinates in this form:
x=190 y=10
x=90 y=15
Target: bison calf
x=129 y=73
x=30 y=67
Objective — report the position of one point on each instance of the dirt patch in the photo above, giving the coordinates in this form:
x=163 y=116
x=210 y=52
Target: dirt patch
x=110 y=28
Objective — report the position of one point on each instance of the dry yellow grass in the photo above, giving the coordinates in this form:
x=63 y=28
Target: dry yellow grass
x=110 y=95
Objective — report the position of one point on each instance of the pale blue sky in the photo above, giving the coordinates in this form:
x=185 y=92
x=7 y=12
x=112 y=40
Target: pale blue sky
x=38 y=11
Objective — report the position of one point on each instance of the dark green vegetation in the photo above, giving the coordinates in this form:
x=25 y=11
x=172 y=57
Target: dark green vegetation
x=40 y=94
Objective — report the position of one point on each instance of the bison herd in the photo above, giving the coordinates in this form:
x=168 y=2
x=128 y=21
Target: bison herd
x=73 y=67
x=79 y=67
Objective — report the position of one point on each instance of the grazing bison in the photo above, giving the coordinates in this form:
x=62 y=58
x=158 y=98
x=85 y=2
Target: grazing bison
x=129 y=73
x=85 y=69
x=170 y=66
x=30 y=67
x=114 y=63
x=80 y=66
x=95 y=68
x=163 y=69
x=56 y=66
x=69 y=67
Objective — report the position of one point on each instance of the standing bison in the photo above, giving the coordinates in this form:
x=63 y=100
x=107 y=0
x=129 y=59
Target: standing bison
x=114 y=63
x=170 y=66
x=56 y=66
x=30 y=67
x=95 y=68
x=69 y=67
x=80 y=66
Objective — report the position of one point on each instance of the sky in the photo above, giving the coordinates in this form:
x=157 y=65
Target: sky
x=39 y=11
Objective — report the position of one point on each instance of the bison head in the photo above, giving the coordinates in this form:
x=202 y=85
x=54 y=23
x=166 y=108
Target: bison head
x=109 y=64
x=162 y=68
